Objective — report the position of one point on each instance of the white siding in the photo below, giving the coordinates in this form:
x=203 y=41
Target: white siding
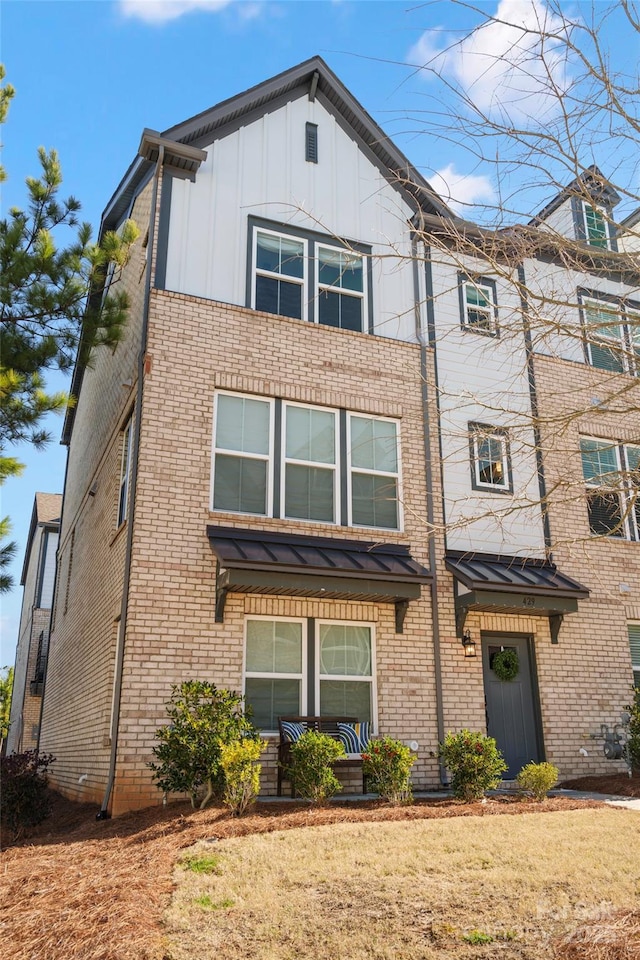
x=261 y=170
x=484 y=379
x=560 y=221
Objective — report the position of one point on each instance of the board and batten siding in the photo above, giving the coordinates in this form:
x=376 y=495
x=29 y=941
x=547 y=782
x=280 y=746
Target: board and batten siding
x=483 y=379
x=260 y=170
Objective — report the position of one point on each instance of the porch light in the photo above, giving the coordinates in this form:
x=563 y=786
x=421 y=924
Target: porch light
x=469 y=645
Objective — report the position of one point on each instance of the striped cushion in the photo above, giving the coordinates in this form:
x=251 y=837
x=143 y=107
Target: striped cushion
x=355 y=736
x=292 y=731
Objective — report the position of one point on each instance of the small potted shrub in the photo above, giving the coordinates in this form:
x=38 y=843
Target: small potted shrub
x=474 y=763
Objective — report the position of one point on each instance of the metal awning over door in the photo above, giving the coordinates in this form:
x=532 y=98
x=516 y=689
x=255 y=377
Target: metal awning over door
x=499 y=584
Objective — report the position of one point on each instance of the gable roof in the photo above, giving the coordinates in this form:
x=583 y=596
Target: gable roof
x=591 y=183
x=311 y=78
x=47 y=508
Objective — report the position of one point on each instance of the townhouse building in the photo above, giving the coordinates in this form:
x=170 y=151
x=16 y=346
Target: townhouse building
x=37 y=580
x=314 y=470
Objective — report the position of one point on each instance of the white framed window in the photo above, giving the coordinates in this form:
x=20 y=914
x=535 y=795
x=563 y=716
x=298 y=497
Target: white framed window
x=310 y=472
x=490 y=458
x=340 y=288
x=612 y=477
x=596 y=227
x=478 y=304
x=634 y=644
x=302 y=274
x=275 y=669
x=280 y=274
x=605 y=336
x=280 y=459
x=243 y=452
x=374 y=465
x=345 y=676
x=125 y=472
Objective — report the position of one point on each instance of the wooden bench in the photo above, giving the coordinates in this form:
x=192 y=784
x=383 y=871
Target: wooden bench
x=328 y=725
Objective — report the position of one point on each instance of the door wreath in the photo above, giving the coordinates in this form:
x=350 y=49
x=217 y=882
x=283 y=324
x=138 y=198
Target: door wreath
x=506 y=664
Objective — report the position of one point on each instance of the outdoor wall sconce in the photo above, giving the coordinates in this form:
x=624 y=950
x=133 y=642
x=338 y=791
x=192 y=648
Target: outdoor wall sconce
x=469 y=645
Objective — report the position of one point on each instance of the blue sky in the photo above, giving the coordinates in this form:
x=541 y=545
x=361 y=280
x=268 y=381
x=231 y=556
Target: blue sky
x=91 y=74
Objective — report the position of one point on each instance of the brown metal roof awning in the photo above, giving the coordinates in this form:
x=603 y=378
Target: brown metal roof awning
x=258 y=561
x=497 y=584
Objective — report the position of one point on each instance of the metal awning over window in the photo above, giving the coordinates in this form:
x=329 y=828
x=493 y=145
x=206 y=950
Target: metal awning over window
x=495 y=584
x=256 y=561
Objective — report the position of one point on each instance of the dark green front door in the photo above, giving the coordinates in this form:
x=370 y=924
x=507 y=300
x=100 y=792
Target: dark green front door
x=511 y=705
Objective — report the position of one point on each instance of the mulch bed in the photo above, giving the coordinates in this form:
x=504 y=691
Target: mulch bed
x=81 y=889
x=620 y=784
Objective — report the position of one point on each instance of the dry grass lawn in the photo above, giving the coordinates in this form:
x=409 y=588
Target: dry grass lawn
x=490 y=887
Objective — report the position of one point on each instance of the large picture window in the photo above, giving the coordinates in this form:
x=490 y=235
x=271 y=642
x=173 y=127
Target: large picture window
x=280 y=459
x=337 y=657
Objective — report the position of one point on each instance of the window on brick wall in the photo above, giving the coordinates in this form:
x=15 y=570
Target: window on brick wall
x=307 y=667
x=301 y=274
x=612 y=475
x=302 y=462
x=634 y=644
x=126 y=441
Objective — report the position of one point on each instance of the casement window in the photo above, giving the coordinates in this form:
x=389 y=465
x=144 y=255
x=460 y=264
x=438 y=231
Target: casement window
x=279 y=459
x=125 y=472
x=612 y=476
x=612 y=332
x=596 y=227
x=308 y=667
x=490 y=458
x=300 y=274
x=478 y=304
x=634 y=644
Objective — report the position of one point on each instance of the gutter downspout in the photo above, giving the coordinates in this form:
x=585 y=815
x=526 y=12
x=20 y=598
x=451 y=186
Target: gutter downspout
x=122 y=629
x=424 y=344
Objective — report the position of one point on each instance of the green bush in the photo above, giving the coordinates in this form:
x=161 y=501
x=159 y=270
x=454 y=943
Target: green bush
x=538 y=779
x=311 y=759
x=634 y=731
x=242 y=773
x=203 y=720
x=474 y=762
x=387 y=767
x=26 y=798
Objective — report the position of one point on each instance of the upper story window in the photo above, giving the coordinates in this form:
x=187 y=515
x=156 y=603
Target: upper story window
x=125 y=472
x=301 y=274
x=291 y=460
x=596 y=227
x=612 y=476
x=490 y=458
x=478 y=304
x=612 y=334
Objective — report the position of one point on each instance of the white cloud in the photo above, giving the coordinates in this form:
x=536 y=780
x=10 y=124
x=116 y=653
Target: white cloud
x=509 y=64
x=461 y=190
x=160 y=11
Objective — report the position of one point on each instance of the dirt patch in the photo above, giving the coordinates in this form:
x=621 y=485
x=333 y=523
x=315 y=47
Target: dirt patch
x=82 y=889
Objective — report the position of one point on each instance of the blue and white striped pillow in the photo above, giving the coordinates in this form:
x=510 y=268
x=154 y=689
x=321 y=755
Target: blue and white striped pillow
x=292 y=731
x=355 y=736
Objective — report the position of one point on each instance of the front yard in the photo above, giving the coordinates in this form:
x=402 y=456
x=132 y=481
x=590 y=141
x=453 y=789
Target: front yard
x=353 y=881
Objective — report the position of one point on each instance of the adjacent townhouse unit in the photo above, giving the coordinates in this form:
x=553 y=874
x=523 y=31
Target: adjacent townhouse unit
x=314 y=470
x=38 y=575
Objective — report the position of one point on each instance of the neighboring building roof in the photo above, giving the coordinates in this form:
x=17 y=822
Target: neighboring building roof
x=591 y=182
x=47 y=508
